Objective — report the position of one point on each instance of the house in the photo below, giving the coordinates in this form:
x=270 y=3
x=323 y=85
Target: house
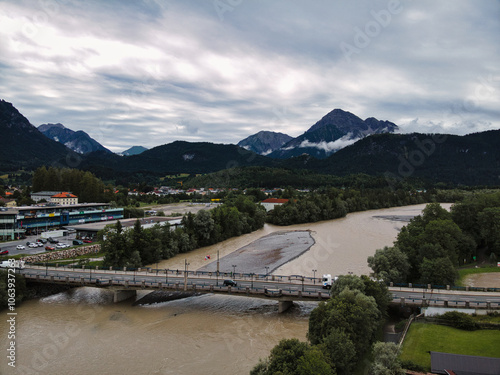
x=8 y=202
x=270 y=203
x=64 y=198
x=458 y=364
x=43 y=195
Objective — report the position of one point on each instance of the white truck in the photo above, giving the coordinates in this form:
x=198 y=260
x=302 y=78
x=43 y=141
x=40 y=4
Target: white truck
x=19 y=264
x=328 y=280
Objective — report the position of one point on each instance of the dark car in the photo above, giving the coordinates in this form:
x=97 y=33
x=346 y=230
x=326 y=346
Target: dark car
x=44 y=241
x=230 y=282
x=51 y=240
x=5 y=252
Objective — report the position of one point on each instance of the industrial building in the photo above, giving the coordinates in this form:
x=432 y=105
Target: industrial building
x=19 y=221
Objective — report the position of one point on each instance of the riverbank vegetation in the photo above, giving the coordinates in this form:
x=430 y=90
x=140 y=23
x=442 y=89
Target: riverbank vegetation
x=341 y=332
x=433 y=245
x=140 y=246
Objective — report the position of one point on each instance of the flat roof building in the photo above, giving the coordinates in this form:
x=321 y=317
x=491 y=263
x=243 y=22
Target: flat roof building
x=15 y=222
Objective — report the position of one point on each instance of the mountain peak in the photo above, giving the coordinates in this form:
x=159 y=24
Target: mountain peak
x=335 y=130
x=78 y=141
x=264 y=142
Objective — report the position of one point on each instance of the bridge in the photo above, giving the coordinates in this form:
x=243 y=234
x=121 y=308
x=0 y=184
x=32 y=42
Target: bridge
x=283 y=289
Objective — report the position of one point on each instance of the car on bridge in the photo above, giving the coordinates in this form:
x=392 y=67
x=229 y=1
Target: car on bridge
x=230 y=282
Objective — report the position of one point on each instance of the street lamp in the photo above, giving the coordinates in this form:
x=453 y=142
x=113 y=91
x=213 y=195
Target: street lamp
x=217 y=274
x=166 y=276
x=234 y=269
x=267 y=271
x=314 y=276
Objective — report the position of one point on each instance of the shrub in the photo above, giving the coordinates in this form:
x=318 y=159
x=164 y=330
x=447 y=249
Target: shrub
x=460 y=320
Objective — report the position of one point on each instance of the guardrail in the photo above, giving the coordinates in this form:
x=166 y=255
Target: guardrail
x=202 y=287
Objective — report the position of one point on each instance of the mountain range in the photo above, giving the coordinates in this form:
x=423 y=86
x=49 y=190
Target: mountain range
x=333 y=132
x=78 y=141
x=470 y=160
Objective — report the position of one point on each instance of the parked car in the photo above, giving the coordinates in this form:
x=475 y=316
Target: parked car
x=5 y=252
x=39 y=244
x=230 y=282
x=87 y=241
x=20 y=247
x=42 y=240
x=77 y=242
x=32 y=244
x=62 y=245
x=50 y=248
x=52 y=240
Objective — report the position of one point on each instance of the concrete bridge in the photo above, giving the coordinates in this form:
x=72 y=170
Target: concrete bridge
x=283 y=289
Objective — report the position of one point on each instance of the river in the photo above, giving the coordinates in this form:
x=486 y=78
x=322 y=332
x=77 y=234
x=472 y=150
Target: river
x=83 y=332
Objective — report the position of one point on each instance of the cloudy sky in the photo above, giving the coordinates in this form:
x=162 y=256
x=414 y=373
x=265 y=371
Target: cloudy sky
x=154 y=71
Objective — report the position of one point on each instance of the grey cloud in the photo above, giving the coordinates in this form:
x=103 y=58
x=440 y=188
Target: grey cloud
x=155 y=71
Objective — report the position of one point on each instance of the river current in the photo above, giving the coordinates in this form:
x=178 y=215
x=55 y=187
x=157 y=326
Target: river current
x=83 y=332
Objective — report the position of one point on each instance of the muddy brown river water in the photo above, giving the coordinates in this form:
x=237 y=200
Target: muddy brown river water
x=83 y=332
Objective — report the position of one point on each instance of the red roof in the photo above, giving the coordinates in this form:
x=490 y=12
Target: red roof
x=274 y=200
x=64 y=195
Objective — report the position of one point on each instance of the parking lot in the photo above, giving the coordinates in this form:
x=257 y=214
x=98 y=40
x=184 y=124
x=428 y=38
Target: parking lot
x=15 y=247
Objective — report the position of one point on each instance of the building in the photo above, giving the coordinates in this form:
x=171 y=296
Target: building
x=458 y=364
x=91 y=229
x=27 y=220
x=44 y=195
x=270 y=203
x=8 y=202
x=64 y=198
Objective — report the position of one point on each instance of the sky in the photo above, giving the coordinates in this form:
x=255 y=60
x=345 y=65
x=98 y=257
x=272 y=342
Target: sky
x=152 y=72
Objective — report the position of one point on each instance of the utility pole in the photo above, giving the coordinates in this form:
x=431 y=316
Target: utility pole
x=186 y=264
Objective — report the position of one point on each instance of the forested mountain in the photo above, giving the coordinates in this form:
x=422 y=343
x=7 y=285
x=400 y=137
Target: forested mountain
x=78 y=141
x=472 y=159
x=23 y=146
x=468 y=160
x=197 y=157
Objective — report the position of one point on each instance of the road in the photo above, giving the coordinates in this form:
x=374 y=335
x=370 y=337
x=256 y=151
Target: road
x=262 y=284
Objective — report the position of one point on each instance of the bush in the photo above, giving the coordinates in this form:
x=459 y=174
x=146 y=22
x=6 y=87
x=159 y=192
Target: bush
x=412 y=366
x=460 y=320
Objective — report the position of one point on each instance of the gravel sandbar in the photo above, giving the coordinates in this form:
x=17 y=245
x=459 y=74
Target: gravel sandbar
x=272 y=251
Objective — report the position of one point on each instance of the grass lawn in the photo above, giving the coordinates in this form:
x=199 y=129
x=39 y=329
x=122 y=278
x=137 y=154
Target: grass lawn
x=464 y=272
x=422 y=338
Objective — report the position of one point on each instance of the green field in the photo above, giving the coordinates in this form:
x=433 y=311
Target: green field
x=422 y=338
x=464 y=272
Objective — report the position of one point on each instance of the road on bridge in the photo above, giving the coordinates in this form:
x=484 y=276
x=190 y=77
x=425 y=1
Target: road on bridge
x=309 y=289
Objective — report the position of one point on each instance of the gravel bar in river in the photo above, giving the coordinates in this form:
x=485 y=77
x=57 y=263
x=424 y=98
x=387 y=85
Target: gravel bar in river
x=272 y=251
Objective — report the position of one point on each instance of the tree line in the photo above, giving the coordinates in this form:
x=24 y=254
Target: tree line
x=341 y=332
x=140 y=246
x=332 y=203
x=86 y=186
x=433 y=245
